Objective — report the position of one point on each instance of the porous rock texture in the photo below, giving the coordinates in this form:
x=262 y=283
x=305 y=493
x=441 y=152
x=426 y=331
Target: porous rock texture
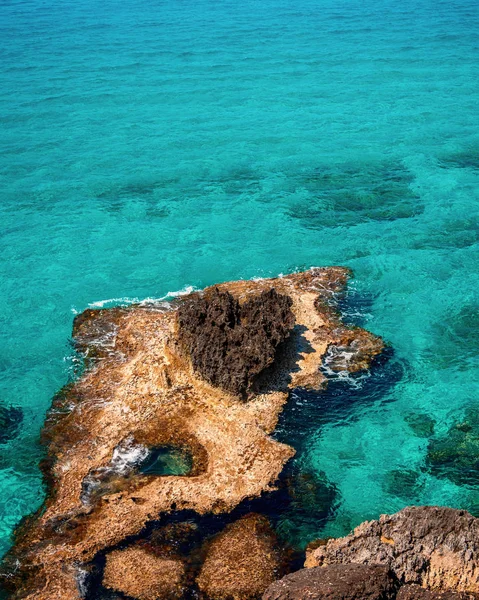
x=242 y=561
x=416 y=592
x=142 y=575
x=336 y=582
x=141 y=390
x=230 y=343
x=434 y=547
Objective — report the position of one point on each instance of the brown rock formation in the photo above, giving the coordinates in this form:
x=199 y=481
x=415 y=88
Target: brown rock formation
x=242 y=561
x=144 y=576
x=336 y=582
x=230 y=343
x=433 y=547
x=140 y=392
x=416 y=592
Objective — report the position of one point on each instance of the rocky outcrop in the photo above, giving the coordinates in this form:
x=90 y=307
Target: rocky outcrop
x=336 y=582
x=144 y=576
x=242 y=561
x=231 y=343
x=416 y=592
x=142 y=391
x=434 y=547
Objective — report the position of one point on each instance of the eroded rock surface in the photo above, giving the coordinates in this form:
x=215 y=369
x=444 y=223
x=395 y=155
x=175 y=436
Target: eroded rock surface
x=336 y=582
x=144 y=576
x=242 y=561
x=231 y=343
x=142 y=391
x=416 y=592
x=434 y=547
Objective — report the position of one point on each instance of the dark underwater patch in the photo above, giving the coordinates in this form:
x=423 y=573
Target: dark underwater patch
x=158 y=197
x=306 y=410
x=348 y=195
x=355 y=307
x=455 y=455
x=452 y=233
x=467 y=158
x=312 y=500
x=10 y=420
x=422 y=425
x=119 y=199
x=456 y=338
x=403 y=483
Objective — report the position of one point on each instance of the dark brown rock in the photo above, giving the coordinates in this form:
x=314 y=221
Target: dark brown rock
x=231 y=343
x=335 y=582
x=416 y=592
x=432 y=546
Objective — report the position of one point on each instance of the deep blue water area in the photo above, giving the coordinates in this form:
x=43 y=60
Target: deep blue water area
x=153 y=145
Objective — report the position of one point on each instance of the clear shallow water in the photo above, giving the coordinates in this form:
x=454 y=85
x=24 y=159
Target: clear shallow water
x=149 y=146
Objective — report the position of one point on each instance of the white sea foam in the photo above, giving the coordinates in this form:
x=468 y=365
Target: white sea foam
x=126 y=457
x=149 y=301
x=336 y=364
x=82 y=580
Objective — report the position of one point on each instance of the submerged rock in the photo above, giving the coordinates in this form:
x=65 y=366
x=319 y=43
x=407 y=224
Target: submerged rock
x=348 y=194
x=421 y=424
x=402 y=483
x=143 y=391
x=434 y=547
x=311 y=500
x=10 y=420
x=242 y=561
x=455 y=338
x=231 y=343
x=455 y=455
x=336 y=582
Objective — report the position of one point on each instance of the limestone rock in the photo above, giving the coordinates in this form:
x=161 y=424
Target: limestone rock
x=241 y=562
x=434 y=547
x=144 y=576
x=335 y=582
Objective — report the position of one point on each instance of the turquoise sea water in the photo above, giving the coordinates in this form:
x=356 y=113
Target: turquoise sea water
x=148 y=146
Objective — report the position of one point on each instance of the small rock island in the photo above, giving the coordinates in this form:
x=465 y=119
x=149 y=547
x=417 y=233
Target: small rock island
x=173 y=416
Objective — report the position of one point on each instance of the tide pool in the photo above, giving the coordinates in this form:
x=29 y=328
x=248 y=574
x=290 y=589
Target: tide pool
x=150 y=146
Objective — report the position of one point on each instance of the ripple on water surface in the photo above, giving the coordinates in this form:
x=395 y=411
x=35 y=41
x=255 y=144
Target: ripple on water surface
x=192 y=143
